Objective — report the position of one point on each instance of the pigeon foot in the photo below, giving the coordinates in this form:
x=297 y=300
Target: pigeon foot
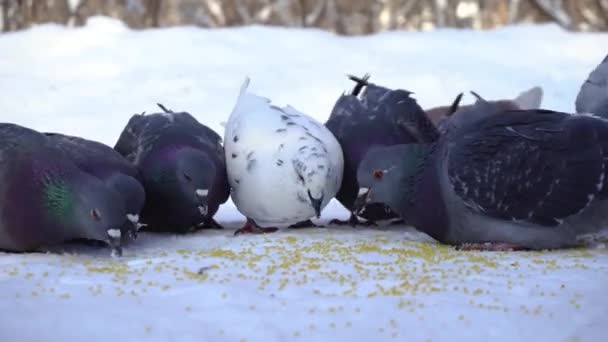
x=210 y=224
x=251 y=227
x=352 y=221
x=305 y=224
x=490 y=246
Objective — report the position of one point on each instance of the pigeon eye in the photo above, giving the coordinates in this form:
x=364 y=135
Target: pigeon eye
x=95 y=215
x=378 y=174
x=188 y=178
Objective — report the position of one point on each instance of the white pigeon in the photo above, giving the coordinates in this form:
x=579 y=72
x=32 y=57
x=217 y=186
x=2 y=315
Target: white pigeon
x=283 y=166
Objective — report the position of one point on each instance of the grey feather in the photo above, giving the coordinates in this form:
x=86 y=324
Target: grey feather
x=593 y=95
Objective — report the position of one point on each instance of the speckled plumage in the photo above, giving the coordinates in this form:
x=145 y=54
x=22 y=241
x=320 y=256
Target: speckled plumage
x=46 y=199
x=534 y=179
x=281 y=163
x=372 y=115
x=593 y=95
x=112 y=168
x=181 y=163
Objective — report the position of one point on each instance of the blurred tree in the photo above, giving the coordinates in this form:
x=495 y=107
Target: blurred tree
x=135 y=13
x=19 y=14
x=211 y=13
x=341 y=16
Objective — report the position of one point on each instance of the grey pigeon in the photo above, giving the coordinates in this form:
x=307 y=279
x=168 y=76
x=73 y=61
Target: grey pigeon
x=369 y=116
x=182 y=166
x=113 y=169
x=530 y=179
x=593 y=95
x=45 y=199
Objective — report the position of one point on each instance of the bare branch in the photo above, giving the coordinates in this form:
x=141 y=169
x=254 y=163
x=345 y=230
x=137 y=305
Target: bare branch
x=555 y=10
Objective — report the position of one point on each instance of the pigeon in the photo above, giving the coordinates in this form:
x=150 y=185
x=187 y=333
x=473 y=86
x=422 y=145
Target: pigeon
x=523 y=179
x=593 y=95
x=45 y=199
x=369 y=116
x=113 y=169
x=528 y=99
x=283 y=166
x=181 y=163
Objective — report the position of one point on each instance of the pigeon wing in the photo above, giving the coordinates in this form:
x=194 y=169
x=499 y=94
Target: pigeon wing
x=91 y=155
x=536 y=166
x=347 y=112
x=372 y=94
x=403 y=113
x=128 y=141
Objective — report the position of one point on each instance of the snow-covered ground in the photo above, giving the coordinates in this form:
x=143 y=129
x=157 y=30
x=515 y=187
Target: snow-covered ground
x=335 y=284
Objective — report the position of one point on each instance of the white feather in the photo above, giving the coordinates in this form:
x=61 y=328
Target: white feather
x=114 y=233
x=133 y=218
x=268 y=191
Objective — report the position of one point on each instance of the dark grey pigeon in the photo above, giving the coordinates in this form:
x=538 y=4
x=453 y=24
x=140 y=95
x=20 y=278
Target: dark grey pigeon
x=112 y=168
x=531 y=179
x=593 y=96
x=182 y=166
x=45 y=199
x=369 y=116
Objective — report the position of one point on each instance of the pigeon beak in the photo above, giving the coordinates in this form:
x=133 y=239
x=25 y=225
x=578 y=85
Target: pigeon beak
x=114 y=237
x=316 y=204
x=362 y=199
x=202 y=195
x=134 y=226
x=133 y=218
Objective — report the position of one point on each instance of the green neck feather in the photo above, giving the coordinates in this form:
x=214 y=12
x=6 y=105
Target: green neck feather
x=59 y=201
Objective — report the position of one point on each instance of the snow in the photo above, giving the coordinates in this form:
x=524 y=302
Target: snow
x=386 y=284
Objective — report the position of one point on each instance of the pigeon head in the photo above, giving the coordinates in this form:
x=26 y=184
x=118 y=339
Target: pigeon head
x=389 y=175
x=77 y=203
x=180 y=178
x=134 y=197
x=312 y=177
x=97 y=208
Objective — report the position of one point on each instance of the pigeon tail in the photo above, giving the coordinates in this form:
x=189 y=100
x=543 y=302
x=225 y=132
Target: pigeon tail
x=360 y=82
x=455 y=104
x=478 y=97
x=164 y=109
x=248 y=102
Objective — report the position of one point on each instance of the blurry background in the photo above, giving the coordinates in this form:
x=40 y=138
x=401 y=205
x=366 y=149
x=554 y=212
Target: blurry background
x=340 y=16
